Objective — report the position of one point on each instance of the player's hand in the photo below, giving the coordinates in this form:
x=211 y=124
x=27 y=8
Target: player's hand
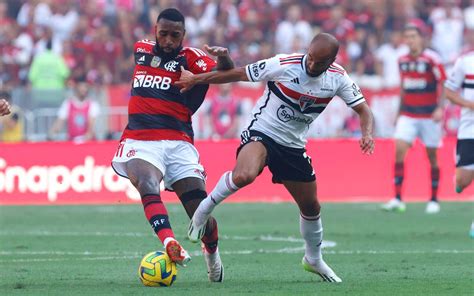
x=367 y=144
x=4 y=107
x=216 y=51
x=186 y=80
x=437 y=114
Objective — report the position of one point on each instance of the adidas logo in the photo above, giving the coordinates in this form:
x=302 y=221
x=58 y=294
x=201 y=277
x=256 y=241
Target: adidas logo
x=296 y=80
x=141 y=60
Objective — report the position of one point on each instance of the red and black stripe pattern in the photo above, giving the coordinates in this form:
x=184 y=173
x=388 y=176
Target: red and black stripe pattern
x=420 y=80
x=157 y=109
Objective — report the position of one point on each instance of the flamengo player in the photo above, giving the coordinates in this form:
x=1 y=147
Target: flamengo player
x=420 y=112
x=299 y=87
x=157 y=143
x=462 y=77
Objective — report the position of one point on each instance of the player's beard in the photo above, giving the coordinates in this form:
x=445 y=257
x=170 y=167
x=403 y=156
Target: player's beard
x=166 y=56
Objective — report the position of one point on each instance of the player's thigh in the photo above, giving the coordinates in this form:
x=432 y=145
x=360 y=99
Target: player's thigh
x=304 y=193
x=406 y=129
x=182 y=161
x=251 y=160
x=144 y=176
x=431 y=133
x=142 y=163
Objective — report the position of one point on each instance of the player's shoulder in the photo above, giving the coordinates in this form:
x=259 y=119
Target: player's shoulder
x=192 y=52
x=289 y=59
x=467 y=55
x=337 y=70
x=144 y=46
x=431 y=55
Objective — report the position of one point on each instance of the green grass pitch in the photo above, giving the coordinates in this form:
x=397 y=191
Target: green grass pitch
x=95 y=250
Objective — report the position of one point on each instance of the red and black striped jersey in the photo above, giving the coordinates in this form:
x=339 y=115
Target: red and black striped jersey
x=420 y=77
x=157 y=110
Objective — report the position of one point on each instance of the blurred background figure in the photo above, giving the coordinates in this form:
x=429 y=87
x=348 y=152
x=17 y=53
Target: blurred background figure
x=224 y=114
x=12 y=124
x=79 y=113
x=387 y=56
x=72 y=39
x=48 y=74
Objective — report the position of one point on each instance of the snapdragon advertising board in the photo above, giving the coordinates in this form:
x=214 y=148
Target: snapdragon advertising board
x=68 y=173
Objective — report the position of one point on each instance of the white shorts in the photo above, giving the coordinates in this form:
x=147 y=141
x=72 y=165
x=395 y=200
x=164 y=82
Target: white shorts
x=409 y=128
x=175 y=159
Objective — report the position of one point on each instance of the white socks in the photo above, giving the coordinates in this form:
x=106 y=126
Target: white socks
x=223 y=189
x=311 y=229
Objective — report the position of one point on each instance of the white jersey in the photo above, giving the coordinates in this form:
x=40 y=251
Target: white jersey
x=293 y=100
x=462 y=76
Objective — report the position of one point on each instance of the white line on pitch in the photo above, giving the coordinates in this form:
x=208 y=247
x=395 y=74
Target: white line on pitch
x=97 y=256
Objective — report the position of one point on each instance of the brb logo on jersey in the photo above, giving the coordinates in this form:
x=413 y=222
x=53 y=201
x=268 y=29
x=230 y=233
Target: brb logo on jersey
x=286 y=114
x=153 y=81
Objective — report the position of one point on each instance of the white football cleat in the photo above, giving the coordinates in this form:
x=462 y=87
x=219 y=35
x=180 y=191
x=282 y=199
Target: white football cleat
x=196 y=231
x=215 y=269
x=394 y=205
x=321 y=269
x=432 y=207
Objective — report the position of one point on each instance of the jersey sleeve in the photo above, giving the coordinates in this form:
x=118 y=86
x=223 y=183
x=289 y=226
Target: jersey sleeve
x=199 y=62
x=265 y=70
x=438 y=69
x=456 y=78
x=350 y=92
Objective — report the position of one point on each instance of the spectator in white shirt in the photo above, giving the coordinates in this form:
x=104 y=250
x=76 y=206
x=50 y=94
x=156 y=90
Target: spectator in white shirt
x=387 y=57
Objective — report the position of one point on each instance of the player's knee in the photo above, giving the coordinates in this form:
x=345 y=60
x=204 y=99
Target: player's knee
x=146 y=185
x=462 y=181
x=244 y=177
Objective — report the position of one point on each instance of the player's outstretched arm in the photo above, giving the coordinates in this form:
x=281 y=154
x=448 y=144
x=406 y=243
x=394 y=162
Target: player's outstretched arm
x=188 y=79
x=455 y=98
x=4 y=107
x=367 y=143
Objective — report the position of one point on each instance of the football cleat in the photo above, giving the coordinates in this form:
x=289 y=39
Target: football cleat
x=196 y=232
x=394 y=205
x=321 y=269
x=177 y=254
x=215 y=269
x=432 y=207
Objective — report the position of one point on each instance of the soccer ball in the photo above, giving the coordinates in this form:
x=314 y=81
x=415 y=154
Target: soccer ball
x=157 y=269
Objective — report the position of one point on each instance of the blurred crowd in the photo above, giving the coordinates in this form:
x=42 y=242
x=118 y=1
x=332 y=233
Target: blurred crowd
x=46 y=45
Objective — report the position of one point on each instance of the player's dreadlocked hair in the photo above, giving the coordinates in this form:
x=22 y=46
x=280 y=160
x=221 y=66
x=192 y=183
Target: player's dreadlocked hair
x=171 y=14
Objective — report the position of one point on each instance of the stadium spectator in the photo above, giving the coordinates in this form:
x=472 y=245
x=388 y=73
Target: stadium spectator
x=420 y=112
x=79 y=113
x=387 y=57
x=12 y=123
x=447 y=21
x=48 y=74
x=5 y=108
x=224 y=114
x=294 y=33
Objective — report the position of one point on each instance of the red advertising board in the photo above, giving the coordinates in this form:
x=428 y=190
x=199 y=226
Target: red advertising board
x=68 y=173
